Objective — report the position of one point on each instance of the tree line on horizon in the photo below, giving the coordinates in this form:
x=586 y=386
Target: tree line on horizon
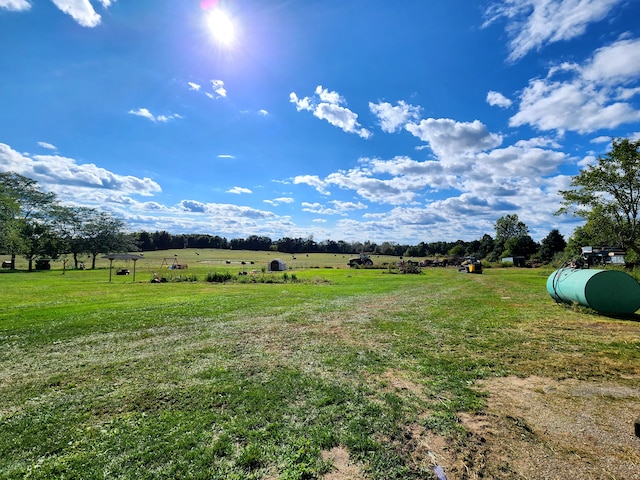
x=512 y=239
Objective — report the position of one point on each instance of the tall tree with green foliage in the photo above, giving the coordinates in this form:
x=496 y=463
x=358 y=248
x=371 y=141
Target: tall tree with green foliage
x=510 y=233
x=607 y=195
x=9 y=233
x=508 y=227
x=40 y=241
x=24 y=203
x=105 y=233
x=552 y=244
x=70 y=224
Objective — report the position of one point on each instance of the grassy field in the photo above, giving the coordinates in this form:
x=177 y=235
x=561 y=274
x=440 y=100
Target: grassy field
x=192 y=379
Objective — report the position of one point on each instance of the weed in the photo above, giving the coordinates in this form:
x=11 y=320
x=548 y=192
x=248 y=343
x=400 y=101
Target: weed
x=218 y=277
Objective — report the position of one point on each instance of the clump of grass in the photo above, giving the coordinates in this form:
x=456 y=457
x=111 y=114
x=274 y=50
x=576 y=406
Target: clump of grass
x=289 y=277
x=183 y=278
x=268 y=278
x=219 y=277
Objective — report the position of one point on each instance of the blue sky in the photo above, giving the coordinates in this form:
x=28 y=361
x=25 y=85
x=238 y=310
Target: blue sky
x=401 y=121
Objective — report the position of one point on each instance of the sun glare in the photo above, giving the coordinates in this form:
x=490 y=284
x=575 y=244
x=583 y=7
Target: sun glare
x=221 y=26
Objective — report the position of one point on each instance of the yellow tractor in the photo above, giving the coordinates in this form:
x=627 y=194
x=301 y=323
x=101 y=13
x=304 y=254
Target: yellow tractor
x=470 y=265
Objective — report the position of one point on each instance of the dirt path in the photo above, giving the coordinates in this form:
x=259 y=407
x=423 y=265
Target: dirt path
x=539 y=428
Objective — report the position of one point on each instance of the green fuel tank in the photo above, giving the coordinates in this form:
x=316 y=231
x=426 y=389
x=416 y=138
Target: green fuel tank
x=606 y=291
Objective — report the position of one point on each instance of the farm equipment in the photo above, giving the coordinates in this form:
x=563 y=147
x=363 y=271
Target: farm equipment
x=603 y=256
x=470 y=265
x=363 y=260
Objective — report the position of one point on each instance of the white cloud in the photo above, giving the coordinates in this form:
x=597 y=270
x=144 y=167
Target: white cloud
x=15 y=5
x=218 y=89
x=393 y=191
x=517 y=162
x=300 y=103
x=626 y=93
x=48 y=146
x=339 y=207
x=312 y=180
x=223 y=210
x=616 y=63
x=194 y=86
x=230 y=215
x=447 y=137
x=277 y=201
x=226 y=156
x=327 y=106
x=144 y=112
x=496 y=99
x=532 y=24
x=393 y=118
x=80 y=10
x=239 y=190
x=57 y=173
x=538 y=142
x=263 y=112
x=490 y=181
x=584 y=98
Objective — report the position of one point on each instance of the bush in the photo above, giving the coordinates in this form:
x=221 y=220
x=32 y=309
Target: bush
x=183 y=278
x=409 y=267
x=216 y=277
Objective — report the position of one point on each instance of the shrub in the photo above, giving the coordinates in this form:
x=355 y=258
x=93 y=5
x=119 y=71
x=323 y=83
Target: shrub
x=217 y=277
x=409 y=267
x=183 y=278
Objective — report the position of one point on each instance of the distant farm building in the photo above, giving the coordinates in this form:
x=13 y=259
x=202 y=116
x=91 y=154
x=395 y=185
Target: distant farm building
x=277 y=265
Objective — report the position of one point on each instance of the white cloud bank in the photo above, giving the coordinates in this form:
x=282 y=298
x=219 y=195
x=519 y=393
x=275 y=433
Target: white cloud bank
x=532 y=24
x=585 y=97
x=56 y=172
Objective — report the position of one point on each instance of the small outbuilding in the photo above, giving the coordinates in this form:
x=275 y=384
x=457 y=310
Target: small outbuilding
x=518 y=261
x=277 y=265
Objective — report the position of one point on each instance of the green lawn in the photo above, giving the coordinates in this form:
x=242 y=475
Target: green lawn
x=190 y=379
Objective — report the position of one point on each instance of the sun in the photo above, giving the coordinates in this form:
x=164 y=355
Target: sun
x=221 y=26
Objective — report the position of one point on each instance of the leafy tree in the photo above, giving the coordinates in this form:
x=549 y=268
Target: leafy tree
x=508 y=227
x=607 y=195
x=104 y=233
x=579 y=239
x=551 y=244
x=70 y=224
x=487 y=245
x=40 y=240
x=145 y=243
x=523 y=245
x=458 y=250
x=22 y=201
x=9 y=233
x=161 y=240
x=510 y=238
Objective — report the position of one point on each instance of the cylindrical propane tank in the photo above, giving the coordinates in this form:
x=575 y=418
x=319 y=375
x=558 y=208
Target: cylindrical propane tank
x=606 y=291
